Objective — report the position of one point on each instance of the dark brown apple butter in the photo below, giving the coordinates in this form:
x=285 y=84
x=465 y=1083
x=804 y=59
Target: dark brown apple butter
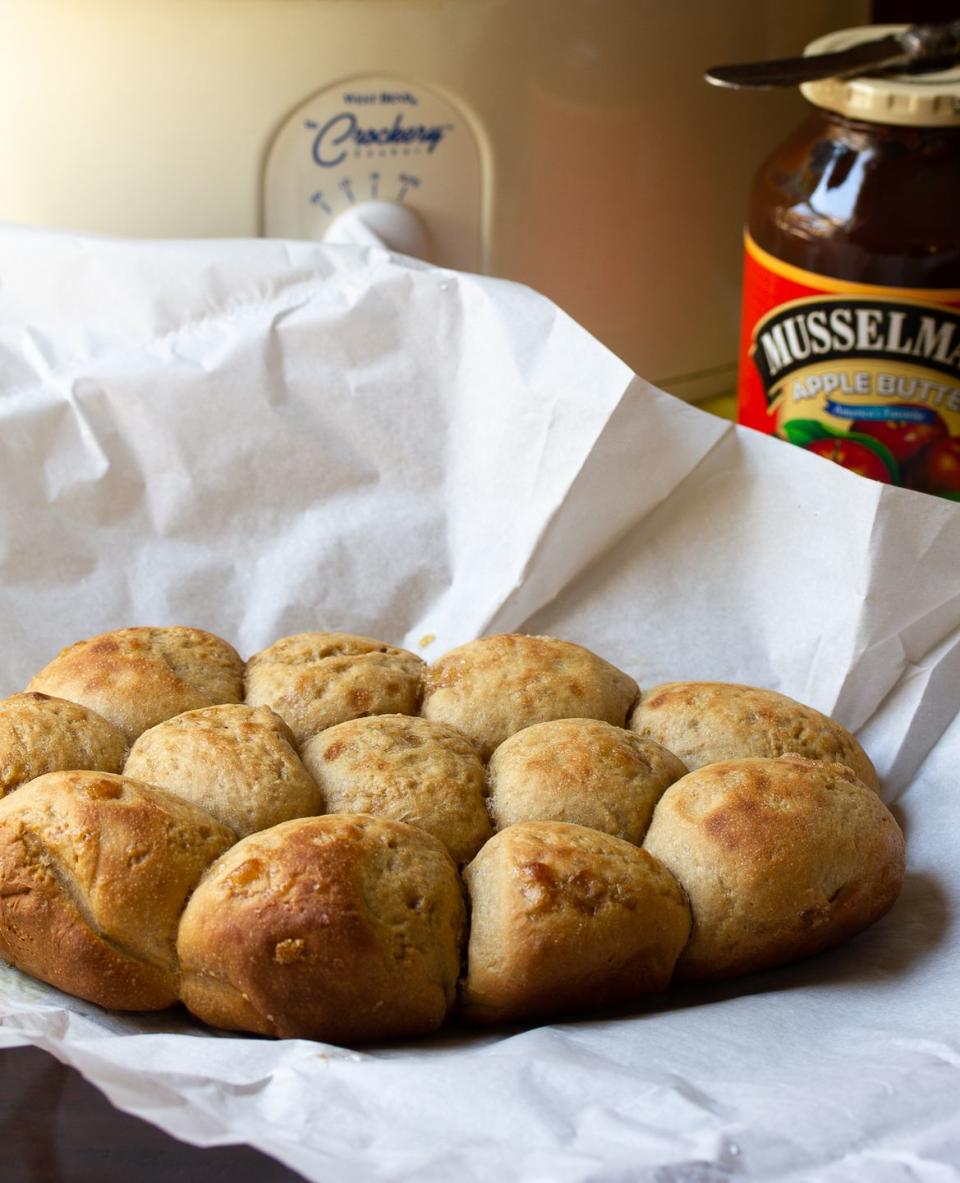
x=851 y=314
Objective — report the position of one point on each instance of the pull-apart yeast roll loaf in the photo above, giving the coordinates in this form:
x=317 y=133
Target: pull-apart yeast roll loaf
x=281 y=852
x=95 y=870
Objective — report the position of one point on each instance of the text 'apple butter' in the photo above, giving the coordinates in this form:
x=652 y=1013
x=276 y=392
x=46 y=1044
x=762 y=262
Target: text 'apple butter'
x=850 y=343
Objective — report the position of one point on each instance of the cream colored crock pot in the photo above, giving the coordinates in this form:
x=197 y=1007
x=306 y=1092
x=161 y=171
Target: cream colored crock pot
x=568 y=144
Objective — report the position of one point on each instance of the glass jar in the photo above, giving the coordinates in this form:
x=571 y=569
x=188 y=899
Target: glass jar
x=850 y=343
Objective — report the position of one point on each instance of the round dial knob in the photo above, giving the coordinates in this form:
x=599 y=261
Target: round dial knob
x=381 y=223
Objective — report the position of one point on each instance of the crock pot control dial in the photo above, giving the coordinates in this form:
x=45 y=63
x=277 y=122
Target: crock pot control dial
x=379 y=161
x=381 y=223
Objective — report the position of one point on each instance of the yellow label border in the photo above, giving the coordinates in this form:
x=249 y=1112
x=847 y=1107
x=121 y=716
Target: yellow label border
x=826 y=283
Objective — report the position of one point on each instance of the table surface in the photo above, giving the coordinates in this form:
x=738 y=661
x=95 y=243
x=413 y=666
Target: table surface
x=56 y=1128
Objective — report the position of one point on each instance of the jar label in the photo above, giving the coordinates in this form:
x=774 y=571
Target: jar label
x=866 y=376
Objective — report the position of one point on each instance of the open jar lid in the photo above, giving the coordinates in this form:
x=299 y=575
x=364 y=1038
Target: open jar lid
x=914 y=100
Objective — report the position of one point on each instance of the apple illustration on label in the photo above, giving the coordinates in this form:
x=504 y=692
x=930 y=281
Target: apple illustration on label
x=853 y=455
x=904 y=437
x=938 y=469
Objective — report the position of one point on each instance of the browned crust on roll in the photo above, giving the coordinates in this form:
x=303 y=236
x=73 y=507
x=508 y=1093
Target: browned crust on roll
x=495 y=686
x=780 y=858
x=94 y=872
x=40 y=734
x=341 y=928
x=45 y=933
x=316 y=680
x=703 y=722
x=137 y=677
x=581 y=771
x=566 y=919
x=425 y=774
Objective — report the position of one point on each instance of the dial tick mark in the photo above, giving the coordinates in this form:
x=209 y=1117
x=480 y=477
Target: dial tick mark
x=407 y=182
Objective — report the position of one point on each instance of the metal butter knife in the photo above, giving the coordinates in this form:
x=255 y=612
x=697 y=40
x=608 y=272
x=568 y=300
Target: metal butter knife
x=931 y=46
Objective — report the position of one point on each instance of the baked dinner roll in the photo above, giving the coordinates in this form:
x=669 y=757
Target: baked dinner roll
x=495 y=686
x=315 y=680
x=581 y=771
x=137 y=677
x=702 y=722
x=235 y=761
x=414 y=771
x=566 y=919
x=40 y=734
x=344 y=928
x=780 y=859
x=95 y=870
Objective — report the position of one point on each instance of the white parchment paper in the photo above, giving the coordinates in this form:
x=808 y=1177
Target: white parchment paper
x=263 y=437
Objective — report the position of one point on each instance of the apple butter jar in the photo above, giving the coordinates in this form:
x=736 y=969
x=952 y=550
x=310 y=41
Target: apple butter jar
x=850 y=343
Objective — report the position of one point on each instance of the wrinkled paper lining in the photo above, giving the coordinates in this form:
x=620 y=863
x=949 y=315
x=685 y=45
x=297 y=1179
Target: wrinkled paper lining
x=258 y=438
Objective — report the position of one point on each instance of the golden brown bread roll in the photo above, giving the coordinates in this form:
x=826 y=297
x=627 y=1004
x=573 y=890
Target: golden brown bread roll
x=235 y=761
x=581 y=771
x=343 y=928
x=780 y=859
x=495 y=686
x=702 y=722
x=41 y=734
x=94 y=873
x=315 y=680
x=408 y=769
x=566 y=919
x=137 y=677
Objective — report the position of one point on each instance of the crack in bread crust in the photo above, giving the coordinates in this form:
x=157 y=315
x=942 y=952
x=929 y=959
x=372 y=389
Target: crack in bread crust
x=95 y=871
x=66 y=882
x=44 y=933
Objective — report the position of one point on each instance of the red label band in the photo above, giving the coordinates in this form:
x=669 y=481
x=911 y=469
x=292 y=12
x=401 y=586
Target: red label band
x=866 y=376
